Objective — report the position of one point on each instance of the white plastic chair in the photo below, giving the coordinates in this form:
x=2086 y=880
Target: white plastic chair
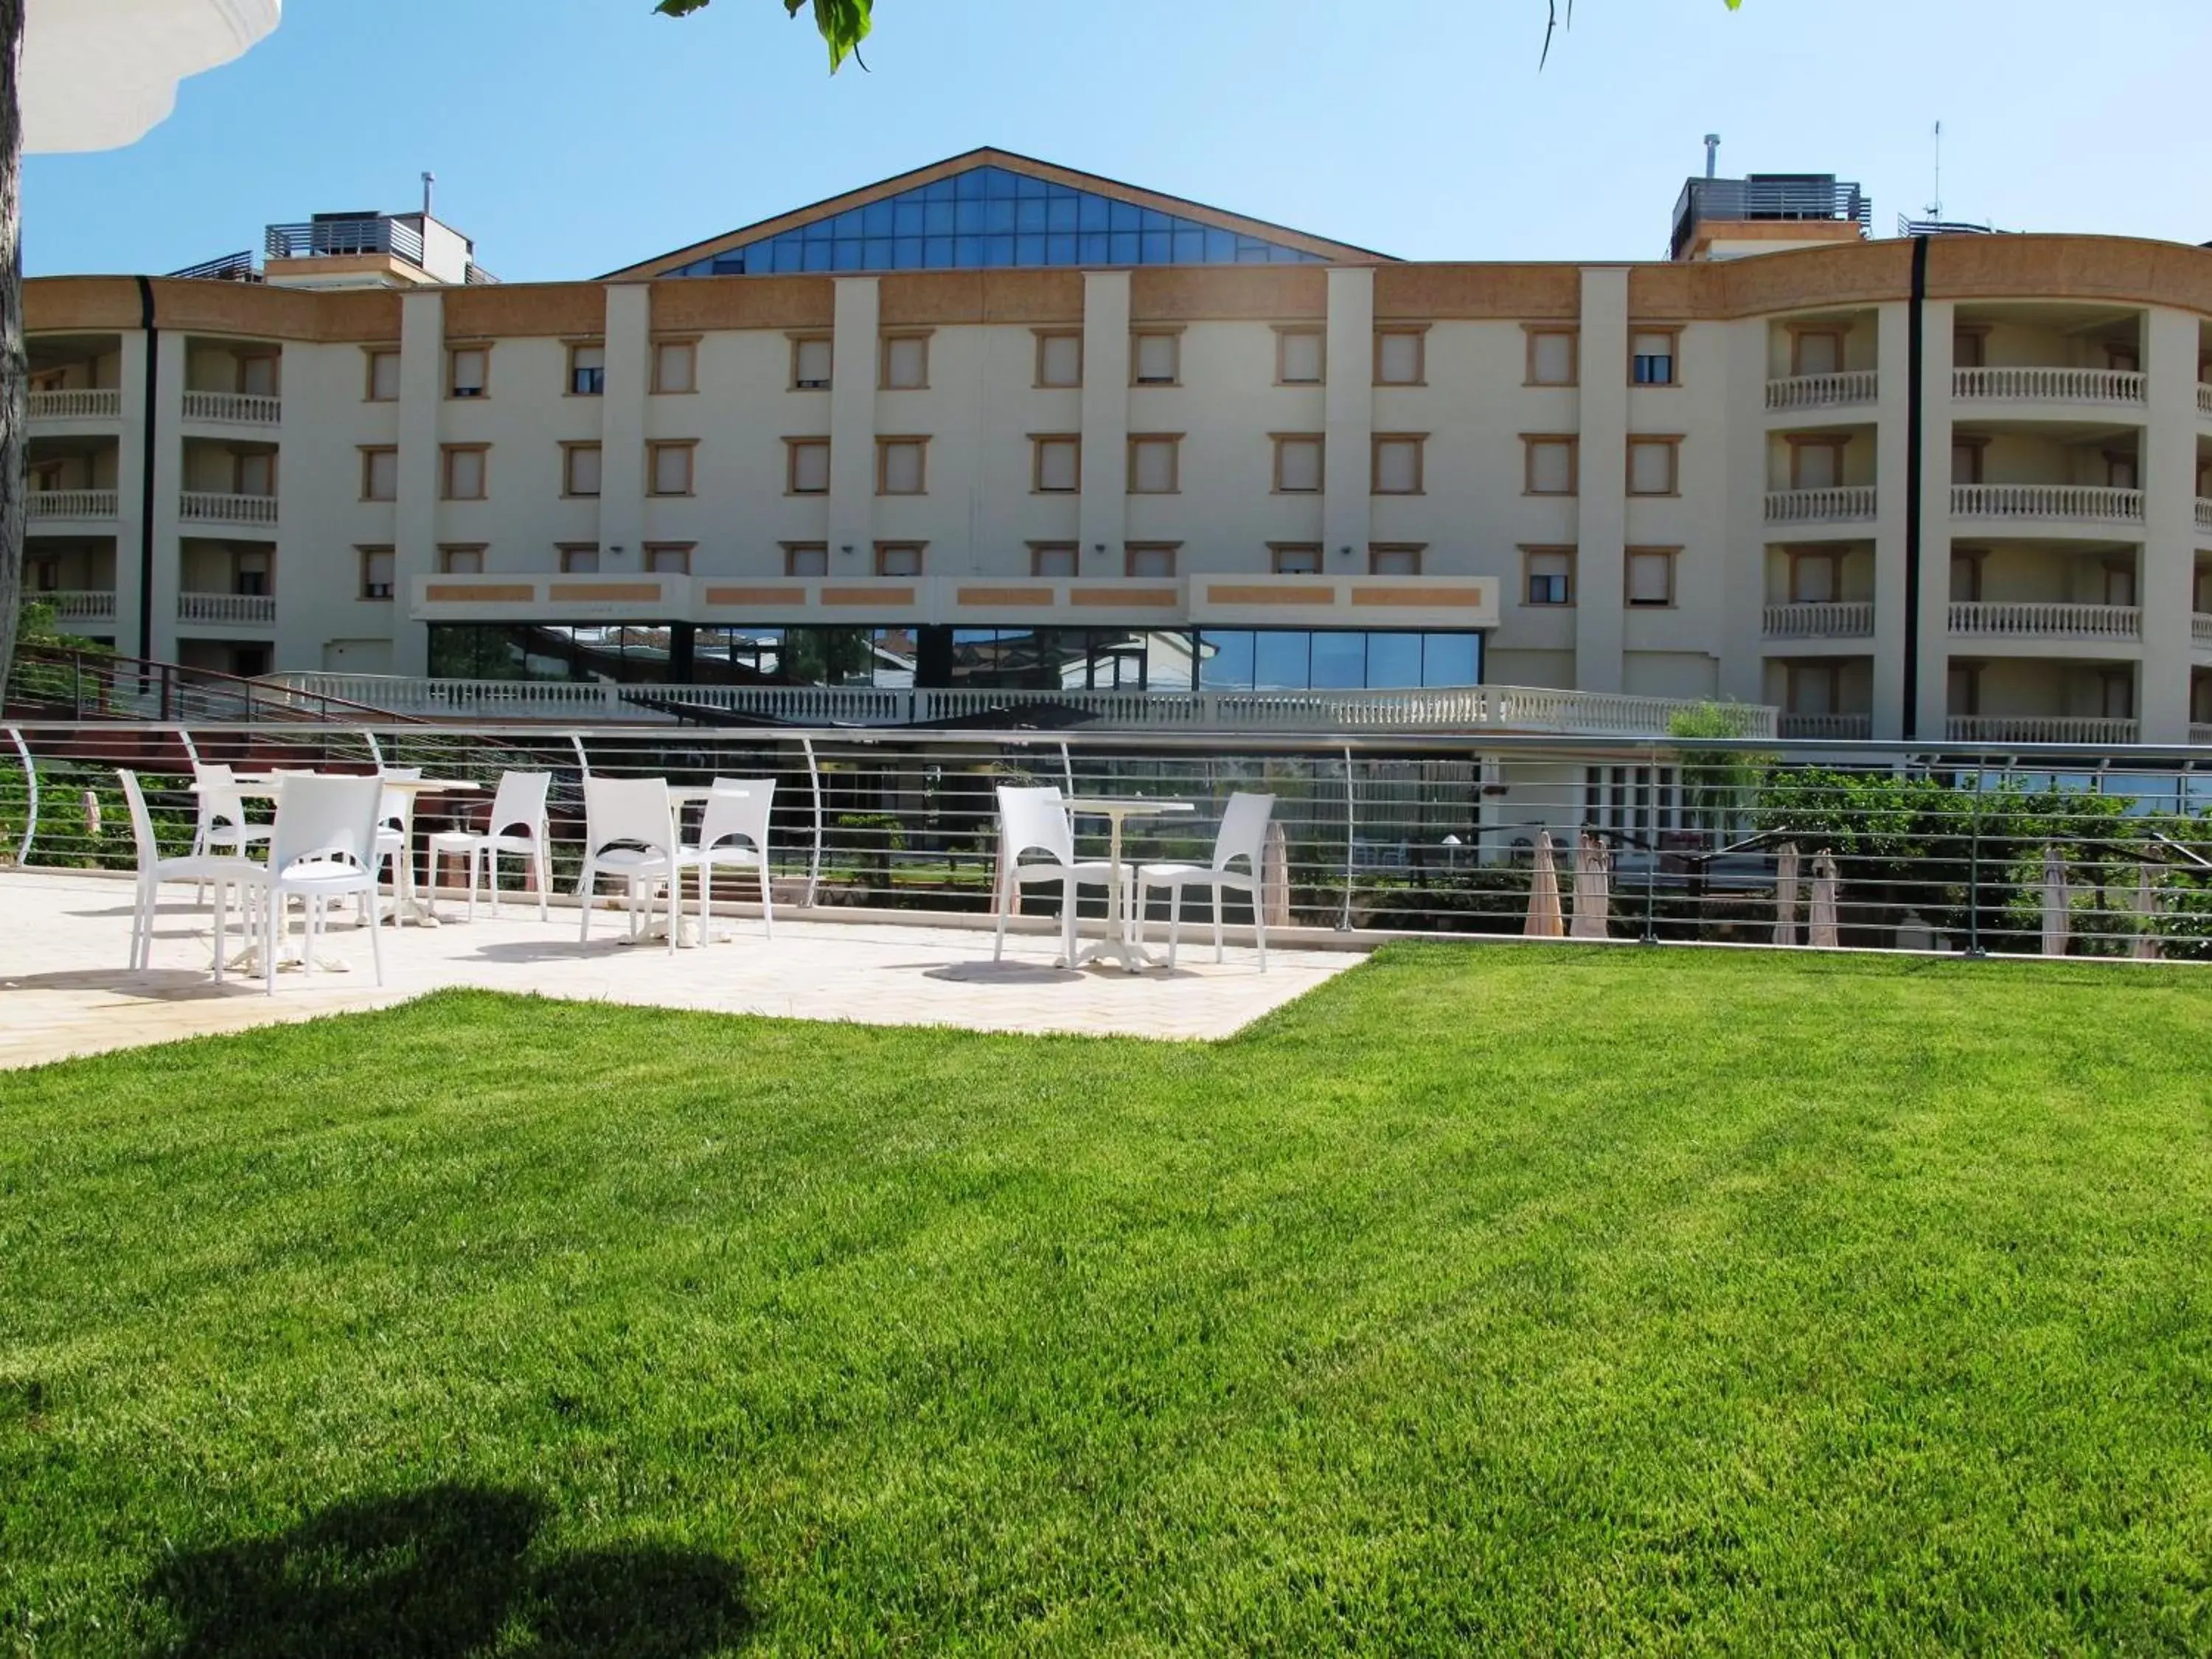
x=324 y=847
x=520 y=805
x=629 y=831
x=222 y=871
x=1243 y=836
x=395 y=833
x=737 y=810
x=1035 y=821
x=223 y=825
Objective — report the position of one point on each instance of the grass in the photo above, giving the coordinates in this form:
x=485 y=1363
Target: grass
x=1529 y=1301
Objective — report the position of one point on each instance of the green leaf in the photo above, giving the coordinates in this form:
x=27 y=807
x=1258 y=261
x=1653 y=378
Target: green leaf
x=843 y=24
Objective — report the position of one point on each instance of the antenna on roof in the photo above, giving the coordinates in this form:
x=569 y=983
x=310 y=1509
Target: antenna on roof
x=1712 y=154
x=429 y=180
x=1935 y=207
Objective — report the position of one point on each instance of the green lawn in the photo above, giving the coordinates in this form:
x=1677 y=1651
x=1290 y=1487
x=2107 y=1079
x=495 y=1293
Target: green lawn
x=1494 y=1298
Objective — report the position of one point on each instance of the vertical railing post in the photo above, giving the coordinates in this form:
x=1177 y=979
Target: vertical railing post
x=1974 y=951
x=1350 y=841
x=1651 y=851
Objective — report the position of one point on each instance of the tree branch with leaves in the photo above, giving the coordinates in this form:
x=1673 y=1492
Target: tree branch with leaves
x=843 y=23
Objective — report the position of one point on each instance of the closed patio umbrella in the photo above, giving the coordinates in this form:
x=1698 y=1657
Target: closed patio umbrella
x=1593 y=887
x=1821 y=929
x=2057 y=916
x=2146 y=940
x=99 y=74
x=1785 y=894
x=1545 y=920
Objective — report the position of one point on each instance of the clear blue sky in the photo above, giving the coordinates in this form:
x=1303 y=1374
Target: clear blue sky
x=570 y=137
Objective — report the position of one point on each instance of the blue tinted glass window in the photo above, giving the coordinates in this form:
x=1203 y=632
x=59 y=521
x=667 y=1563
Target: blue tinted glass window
x=998 y=217
x=1094 y=212
x=1095 y=248
x=973 y=185
x=997 y=250
x=942 y=191
x=1156 y=220
x=1029 y=215
x=849 y=223
x=1122 y=248
x=1452 y=659
x=1393 y=661
x=969 y=220
x=1029 y=251
x=1251 y=253
x=1126 y=216
x=1159 y=248
x=1340 y=660
x=967 y=252
x=1220 y=247
x=1225 y=661
x=1280 y=659
x=877 y=252
x=1059 y=250
x=817 y=255
x=906 y=216
x=906 y=253
x=846 y=255
x=939 y=218
x=820 y=231
x=1190 y=247
x=875 y=218
x=790 y=255
x=1060 y=213
x=937 y=252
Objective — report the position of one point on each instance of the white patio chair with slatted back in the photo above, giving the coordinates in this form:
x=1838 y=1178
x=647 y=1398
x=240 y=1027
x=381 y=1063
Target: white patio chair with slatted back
x=733 y=833
x=629 y=832
x=1243 y=837
x=1035 y=820
x=395 y=834
x=324 y=849
x=518 y=824
x=222 y=871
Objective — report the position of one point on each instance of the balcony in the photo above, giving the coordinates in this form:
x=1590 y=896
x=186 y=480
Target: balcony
x=1817 y=391
x=1844 y=504
x=1803 y=197
x=76 y=604
x=1844 y=727
x=2046 y=386
x=2200 y=627
x=206 y=507
x=2039 y=728
x=1845 y=619
x=2076 y=501
x=2205 y=515
x=103 y=403
x=233 y=408
x=2201 y=732
x=39 y=505
x=2204 y=398
x=2036 y=620
x=228 y=609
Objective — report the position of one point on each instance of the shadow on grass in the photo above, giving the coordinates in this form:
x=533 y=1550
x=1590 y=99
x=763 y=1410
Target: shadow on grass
x=444 y=1573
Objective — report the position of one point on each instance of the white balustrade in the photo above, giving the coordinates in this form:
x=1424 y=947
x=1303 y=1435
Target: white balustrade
x=209 y=507
x=2039 y=729
x=2205 y=514
x=1856 y=385
x=2200 y=627
x=2045 y=502
x=2204 y=398
x=232 y=610
x=1839 y=505
x=2079 y=385
x=2200 y=732
x=245 y=408
x=76 y=604
x=1843 y=619
x=1844 y=726
x=69 y=504
x=83 y=402
x=2036 y=618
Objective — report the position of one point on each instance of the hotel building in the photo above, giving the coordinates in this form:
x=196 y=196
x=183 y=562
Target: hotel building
x=998 y=427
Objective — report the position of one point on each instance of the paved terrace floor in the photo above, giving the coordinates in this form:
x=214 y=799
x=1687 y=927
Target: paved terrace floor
x=64 y=991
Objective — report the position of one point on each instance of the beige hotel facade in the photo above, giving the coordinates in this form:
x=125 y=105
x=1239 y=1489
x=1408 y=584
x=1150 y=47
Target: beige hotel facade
x=998 y=424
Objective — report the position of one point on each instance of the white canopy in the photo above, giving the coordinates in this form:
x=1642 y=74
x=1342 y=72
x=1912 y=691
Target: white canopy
x=100 y=73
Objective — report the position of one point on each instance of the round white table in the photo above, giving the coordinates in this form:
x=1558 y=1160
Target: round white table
x=1121 y=943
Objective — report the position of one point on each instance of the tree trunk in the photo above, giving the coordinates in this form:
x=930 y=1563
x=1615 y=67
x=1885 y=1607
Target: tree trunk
x=14 y=371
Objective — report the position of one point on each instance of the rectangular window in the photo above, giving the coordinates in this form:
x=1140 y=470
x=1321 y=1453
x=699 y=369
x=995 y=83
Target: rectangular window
x=587 y=371
x=1055 y=464
x=1551 y=356
x=1551 y=572
x=1651 y=357
x=1396 y=468
x=377 y=573
x=1393 y=559
x=1815 y=578
x=806 y=466
x=1051 y=558
x=2122 y=360
x=468 y=371
x=906 y=363
x=1154 y=463
x=1650 y=576
x=253 y=472
x=1966 y=462
x=1816 y=351
x=582 y=560
x=2120 y=471
x=898 y=558
x=1156 y=359
x=1549 y=464
x=382 y=376
x=1962 y=688
x=669 y=467
x=1819 y=465
x=380 y=475
x=1058 y=358
x=1295 y=558
x=460 y=561
x=2119 y=584
x=1654 y=466
x=1298 y=462
x=676 y=366
x=1299 y=357
x=1152 y=559
x=2119 y=691
x=1969 y=347
x=249 y=573
x=1637 y=803
x=810 y=362
x=806 y=558
x=1813 y=688
x=257 y=374
x=1966 y=575
x=668 y=558
x=463 y=471
x=901 y=466
x=1400 y=357
x=580 y=469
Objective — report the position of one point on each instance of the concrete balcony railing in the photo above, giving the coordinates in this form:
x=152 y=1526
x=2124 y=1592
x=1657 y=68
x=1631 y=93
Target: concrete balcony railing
x=2204 y=398
x=1845 y=619
x=1857 y=386
x=239 y=408
x=1842 y=505
x=2200 y=732
x=2200 y=627
x=229 y=610
x=102 y=403
x=39 y=504
x=1847 y=728
x=2205 y=514
x=2039 y=728
x=76 y=604
x=2036 y=620
x=2032 y=386
x=2076 y=501
x=209 y=507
